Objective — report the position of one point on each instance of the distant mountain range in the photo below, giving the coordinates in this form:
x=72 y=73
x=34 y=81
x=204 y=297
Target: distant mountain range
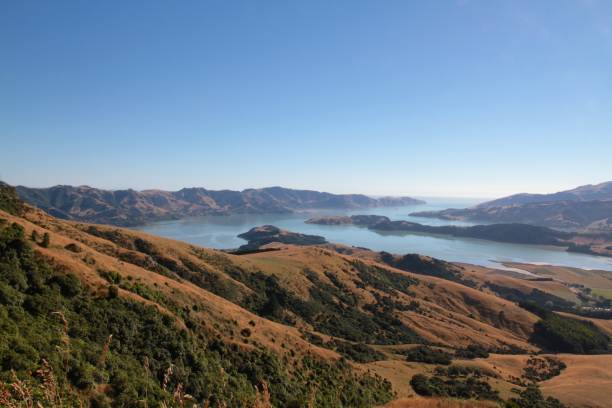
x=131 y=207
x=586 y=208
x=590 y=192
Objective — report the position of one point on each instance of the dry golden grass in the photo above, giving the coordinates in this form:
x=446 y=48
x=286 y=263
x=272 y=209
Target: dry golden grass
x=399 y=373
x=586 y=382
x=422 y=402
x=588 y=278
x=519 y=281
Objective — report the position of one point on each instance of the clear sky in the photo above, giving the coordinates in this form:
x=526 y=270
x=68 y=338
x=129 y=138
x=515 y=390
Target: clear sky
x=472 y=98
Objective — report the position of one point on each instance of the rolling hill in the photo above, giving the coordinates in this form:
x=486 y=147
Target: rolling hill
x=130 y=207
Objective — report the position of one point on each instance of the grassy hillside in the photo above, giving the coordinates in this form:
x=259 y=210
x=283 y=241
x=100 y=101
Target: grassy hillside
x=89 y=343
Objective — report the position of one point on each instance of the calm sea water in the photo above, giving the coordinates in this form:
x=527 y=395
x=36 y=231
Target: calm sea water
x=221 y=232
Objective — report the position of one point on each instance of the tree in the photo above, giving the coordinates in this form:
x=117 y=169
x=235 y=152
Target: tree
x=46 y=240
x=420 y=384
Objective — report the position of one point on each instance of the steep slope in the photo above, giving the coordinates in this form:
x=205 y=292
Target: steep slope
x=130 y=207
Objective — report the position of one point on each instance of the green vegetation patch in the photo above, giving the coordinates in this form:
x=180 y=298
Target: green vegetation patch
x=358 y=352
x=456 y=370
x=531 y=397
x=543 y=368
x=464 y=388
x=429 y=355
x=605 y=293
x=471 y=352
x=9 y=200
x=561 y=334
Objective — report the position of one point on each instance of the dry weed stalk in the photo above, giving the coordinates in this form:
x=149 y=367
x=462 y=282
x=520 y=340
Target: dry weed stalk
x=62 y=317
x=105 y=351
x=262 y=398
x=23 y=391
x=167 y=375
x=49 y=384
x=6 y=398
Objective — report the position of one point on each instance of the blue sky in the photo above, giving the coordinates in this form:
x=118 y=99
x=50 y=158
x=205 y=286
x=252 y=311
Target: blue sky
x=472 y=98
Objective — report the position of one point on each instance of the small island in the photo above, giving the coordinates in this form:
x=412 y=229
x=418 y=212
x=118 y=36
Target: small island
x=267 y=234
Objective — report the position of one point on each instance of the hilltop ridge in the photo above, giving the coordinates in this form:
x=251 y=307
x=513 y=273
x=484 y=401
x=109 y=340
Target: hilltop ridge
x=131 y=207
x=589 y=192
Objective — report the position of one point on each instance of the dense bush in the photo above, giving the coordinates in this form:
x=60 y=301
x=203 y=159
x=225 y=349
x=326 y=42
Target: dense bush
x=358 y=352
x=424 y=354
x=110 y=350
x=536 y=296
x=471 y=352
x=72 y=247
x=9 y=200
x=561 y=334
x=455 y=370
x=531 y=397
x=542 y=369
x=468 y=388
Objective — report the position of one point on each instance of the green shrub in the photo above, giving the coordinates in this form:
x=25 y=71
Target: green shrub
x=471 y=352
x=424 y=354
x=531 y=397
x=468 y=388
x=543 y=368
x=46 y=240
x=72 y=247
x=9 y=200
x=560 y=334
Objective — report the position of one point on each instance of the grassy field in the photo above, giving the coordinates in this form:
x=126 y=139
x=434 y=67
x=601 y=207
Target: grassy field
x=607 y=293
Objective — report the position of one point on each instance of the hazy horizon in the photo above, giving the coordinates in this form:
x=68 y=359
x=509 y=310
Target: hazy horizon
x=450 y=99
